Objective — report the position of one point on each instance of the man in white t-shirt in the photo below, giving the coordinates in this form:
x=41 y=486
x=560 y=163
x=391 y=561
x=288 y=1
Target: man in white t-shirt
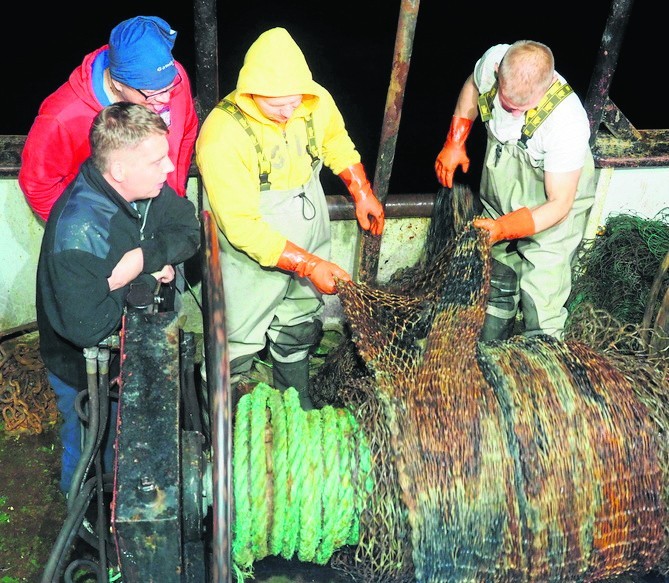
x=537 y=183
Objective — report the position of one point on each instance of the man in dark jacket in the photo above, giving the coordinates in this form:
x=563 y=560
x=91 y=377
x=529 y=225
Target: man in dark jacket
x=116 y=224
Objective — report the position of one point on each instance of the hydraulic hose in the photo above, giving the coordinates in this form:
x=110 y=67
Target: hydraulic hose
x=81 y=491
x=88 y=450
x=75 y=516
x=103 y=383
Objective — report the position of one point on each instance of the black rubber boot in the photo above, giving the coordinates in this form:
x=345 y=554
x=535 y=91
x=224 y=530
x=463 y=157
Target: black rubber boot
x=503 y=299
x=496 y=328
x=294 y=374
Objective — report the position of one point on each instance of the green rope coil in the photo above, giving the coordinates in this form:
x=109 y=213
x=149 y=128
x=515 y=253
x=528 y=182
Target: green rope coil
x=296 y=428
x=310 y=522
x=330 y=482
x=279 y=469
x=364 y=467
x=298 y=479
x=347 y=502
x=258 y=478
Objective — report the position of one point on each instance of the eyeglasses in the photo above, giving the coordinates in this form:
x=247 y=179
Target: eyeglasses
x=149 y=96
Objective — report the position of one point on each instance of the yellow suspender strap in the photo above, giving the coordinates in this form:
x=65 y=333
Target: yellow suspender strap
x=263 y=163
x=265 y=167
x=556 y=93
x=312 y=148
x=485 y=103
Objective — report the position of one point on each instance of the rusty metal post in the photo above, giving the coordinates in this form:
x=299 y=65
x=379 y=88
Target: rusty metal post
x=220 y=404
x=206 y=56
x=368 y=246
x=607 y=59
x=206 y=71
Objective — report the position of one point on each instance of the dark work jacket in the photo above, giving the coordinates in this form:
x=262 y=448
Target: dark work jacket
x=88 y=231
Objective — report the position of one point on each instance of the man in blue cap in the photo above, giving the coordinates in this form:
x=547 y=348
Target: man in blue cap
x=136 y=66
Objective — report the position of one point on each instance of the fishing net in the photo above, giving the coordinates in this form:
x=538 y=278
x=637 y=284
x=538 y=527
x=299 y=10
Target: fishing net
x=531 y=459
x=615 y=270
x=382 y=552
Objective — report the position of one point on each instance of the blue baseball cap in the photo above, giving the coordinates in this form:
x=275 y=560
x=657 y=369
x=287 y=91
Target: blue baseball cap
x=140 y=53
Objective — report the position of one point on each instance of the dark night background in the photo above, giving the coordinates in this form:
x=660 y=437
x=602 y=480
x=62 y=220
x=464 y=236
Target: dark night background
x=349 y=47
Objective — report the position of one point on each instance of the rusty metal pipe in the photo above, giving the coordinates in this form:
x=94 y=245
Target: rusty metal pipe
x=605 y=67
x=398 y=206
x=206 y=57
x=367 y=250
x=220 y=409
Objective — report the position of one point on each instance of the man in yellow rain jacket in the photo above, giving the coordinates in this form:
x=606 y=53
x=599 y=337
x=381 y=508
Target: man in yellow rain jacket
x=260 y=153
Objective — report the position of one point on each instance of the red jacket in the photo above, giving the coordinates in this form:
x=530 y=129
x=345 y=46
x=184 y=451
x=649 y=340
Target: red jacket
x=57 y=142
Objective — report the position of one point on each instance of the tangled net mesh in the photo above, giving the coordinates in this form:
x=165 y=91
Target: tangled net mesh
x=615 y=270
x=531 y=459
x=27 y=401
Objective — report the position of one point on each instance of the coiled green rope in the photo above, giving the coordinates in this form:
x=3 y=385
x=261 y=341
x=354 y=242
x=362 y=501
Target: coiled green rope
x=300 y=479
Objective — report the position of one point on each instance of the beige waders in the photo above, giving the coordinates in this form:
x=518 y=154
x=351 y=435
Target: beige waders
x=533 y=273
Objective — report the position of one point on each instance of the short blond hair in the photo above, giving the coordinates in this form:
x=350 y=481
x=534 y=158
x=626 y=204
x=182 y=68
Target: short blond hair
x=119 y=126
x=527 y=68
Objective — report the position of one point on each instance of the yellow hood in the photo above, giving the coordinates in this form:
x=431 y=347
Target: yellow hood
x=274 y=66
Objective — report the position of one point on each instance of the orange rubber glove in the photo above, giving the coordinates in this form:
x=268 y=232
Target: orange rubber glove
x=366 y=203
x=453 y=154
x=513 y=225
x=321 y=273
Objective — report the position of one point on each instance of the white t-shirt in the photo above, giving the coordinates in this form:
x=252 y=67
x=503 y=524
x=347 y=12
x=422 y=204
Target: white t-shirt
x=560 y=142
